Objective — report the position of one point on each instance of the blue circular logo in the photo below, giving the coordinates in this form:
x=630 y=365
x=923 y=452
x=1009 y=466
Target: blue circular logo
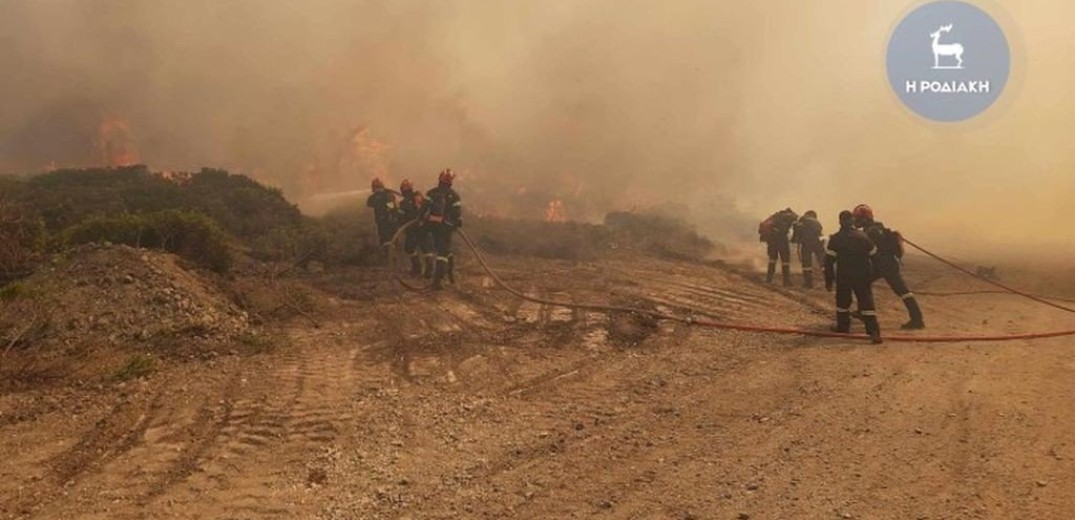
x=948 y=61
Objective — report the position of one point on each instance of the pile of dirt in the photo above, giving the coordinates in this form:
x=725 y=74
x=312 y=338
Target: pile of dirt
x=102 y=299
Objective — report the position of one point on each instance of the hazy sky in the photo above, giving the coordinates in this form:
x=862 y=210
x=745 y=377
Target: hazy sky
x=721 y=107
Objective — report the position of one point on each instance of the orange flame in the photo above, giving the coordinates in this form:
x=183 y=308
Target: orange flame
x=115 y=143
x=555 y=211
x=366 y=154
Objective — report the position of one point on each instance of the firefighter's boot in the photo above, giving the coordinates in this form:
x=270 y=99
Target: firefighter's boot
x=785 y=270
x=872 y=328
x=808 y=278
x=416 y=266
x=843 y=322
x=429 y=266
x=772 y=271
x=915 y=313
x=438 y=274
x=451 y=269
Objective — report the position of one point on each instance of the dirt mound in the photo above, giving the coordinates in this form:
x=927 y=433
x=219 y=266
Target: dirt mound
x=103 y=300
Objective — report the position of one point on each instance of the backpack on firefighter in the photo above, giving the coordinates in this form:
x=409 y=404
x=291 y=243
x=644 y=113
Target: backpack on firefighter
x=766 y=229
x=893 y=241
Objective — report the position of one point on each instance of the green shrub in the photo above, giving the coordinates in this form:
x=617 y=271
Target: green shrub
x=240 y=205
x=301 y=243
x=190 y=235
x=22 y=238
x=350 y=238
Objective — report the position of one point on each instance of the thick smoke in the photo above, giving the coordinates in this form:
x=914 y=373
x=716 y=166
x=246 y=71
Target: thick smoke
x=709 y=109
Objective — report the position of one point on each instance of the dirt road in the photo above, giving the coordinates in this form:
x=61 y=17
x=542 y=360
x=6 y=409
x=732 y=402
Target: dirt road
x=473 y=404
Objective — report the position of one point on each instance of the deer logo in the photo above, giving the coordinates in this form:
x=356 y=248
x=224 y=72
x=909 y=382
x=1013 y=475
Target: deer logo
x=945 y=49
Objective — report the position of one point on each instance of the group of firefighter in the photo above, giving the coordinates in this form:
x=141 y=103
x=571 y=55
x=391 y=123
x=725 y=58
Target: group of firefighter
x=431 y=218
x=861 y=252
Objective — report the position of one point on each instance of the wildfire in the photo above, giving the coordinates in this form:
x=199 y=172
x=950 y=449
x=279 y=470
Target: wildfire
x=365 y=153
x=180 y=178
x=555 y=211
x=115 y=143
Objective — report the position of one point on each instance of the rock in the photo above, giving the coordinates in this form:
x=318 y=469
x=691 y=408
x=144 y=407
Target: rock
x=752 y=486
x=743 y=516
x=605 y=504
x=1042 y=483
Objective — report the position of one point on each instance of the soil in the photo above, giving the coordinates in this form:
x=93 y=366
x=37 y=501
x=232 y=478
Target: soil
x=471 y=403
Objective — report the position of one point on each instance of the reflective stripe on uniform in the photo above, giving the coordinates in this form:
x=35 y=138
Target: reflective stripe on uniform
x=772 y=262
x=785 y=264
x=830 y=252
x=869 y=313
x=442 y=259
x=843 y=311
x=873 y=251
x=908 y=296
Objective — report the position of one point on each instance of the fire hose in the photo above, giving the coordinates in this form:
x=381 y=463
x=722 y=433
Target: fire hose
x=968 y=272
x=741 y=327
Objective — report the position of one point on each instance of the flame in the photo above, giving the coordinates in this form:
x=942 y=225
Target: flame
x=555 y=211
x=180 y=178
x=115 y=143
x=366 y=154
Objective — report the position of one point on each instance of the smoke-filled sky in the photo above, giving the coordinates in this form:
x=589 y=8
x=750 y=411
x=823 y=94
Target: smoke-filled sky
x=717 y=107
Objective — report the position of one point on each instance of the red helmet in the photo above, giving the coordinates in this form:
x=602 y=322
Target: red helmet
x=862 y=212
x=406 y=185
x=446 y=177
x=377 y=184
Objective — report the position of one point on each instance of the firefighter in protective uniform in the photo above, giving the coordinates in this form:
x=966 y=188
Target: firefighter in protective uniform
x=416 y=237
x=774 y=232
x=808 y=234
x=887 y=265
x=849 y=263
x=385 y=212
x=442 y=214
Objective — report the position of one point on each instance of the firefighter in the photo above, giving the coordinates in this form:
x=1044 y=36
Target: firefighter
x=443 y=213
x=416 y=237
x=849 y=263
x=890 y=253
x=807 y=233
x=774 y=232
x=385 y=212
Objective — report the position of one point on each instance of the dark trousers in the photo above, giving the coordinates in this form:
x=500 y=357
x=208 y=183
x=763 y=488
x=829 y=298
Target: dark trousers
x=808 y=253
x=442 y=245
x=779 y=249
x=386 y=229
x=862 y=291
x=888 y=268
x=416 y=244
